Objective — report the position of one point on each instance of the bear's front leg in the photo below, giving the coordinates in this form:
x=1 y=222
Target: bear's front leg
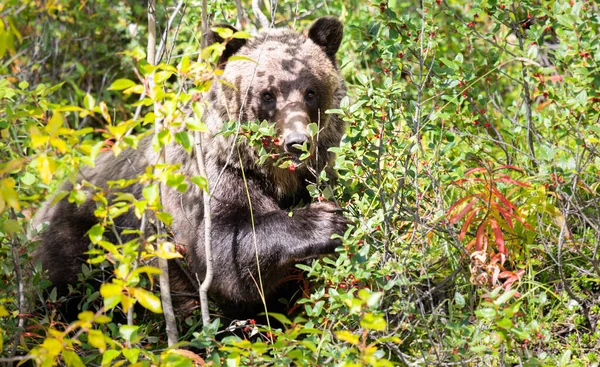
x=302 y=234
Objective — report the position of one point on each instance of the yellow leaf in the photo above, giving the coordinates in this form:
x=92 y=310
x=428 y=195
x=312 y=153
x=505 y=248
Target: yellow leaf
x=187 y=354
x=37 y=138
x=137 y=89
x=104 y=111
x=117 y=131
x=11 y=226
x=46 y=167
x=13 y=166
x=147 y=299
x=126 y=302
x=3 y=312
x=347 y=336
x=96 y=339
x=166 y=251
x=54 y=124
x=9 y=195
x=52 y=347
x=117 y=149
x=110 y=290
x=59 y=144
x=121 y=84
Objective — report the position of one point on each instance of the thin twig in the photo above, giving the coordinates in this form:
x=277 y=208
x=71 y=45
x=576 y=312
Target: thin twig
x=20 y=291
x=205 y=286
x=163 y=265
x=261 y=18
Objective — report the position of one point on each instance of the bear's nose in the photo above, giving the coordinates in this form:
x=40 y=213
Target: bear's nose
x=295 y=139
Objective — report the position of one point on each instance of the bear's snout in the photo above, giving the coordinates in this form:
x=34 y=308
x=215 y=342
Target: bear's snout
x=293 y=139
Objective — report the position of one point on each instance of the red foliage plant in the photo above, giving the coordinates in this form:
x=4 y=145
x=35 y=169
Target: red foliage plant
x=492 y=215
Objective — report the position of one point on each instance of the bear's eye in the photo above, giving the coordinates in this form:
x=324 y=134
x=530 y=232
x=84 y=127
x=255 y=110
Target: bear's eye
x=310 y=95
x=268 y=97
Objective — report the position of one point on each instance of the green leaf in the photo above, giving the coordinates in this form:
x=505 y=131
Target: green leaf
x=224 y=33
x=151 y=193
x=184 y=138
x=95 y=233
x=161 y=76
x=121 y=84
x=128 y=332
x=451 y=64
x=313 y=129
x=195 y=124
x=28 y=179
x=486 y=313
x=108 y=356
x=565 y=358
x=200 y=181
x=241 y=58
x=72 y=359
x=281 y=318
x=11 y=226
x=241 y=35
x=505 y=323
x=459 y=300
x=89 y=102
x=505 y=297
x=165 y=217
x=131 y=354
x=373 y=322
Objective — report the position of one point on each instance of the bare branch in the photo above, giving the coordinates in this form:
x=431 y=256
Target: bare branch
x=263 y=22
x=20 y=293
x=165 y=289
x=240 y=14
x=205 y=286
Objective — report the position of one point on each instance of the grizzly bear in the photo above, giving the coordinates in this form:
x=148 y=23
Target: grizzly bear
x=284 y=78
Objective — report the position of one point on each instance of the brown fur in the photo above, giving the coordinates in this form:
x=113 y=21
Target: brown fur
x=289 y=66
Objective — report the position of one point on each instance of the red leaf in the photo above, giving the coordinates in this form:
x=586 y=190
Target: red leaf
x=504 y=200
x=470 y=179
x=505 y=214
x=458 y=202
x=464 y=211
x=506 y=179
x=499 y=237
x=506 y=274
x=523 y=221
x=479 y=237
x=476 y=169
x=470 y=245
x=509 y=167
x=467 y=223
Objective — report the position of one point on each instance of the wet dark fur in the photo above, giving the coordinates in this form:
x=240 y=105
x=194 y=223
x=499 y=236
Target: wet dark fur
x=287 y=63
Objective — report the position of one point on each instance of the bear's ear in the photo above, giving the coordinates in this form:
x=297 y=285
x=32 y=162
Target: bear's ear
x=327 y=32
x=232 y=46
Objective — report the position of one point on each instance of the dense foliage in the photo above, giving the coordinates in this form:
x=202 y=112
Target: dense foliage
x=470 y=173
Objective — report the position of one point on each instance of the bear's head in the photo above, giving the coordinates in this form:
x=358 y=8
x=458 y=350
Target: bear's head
x=289 y=80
